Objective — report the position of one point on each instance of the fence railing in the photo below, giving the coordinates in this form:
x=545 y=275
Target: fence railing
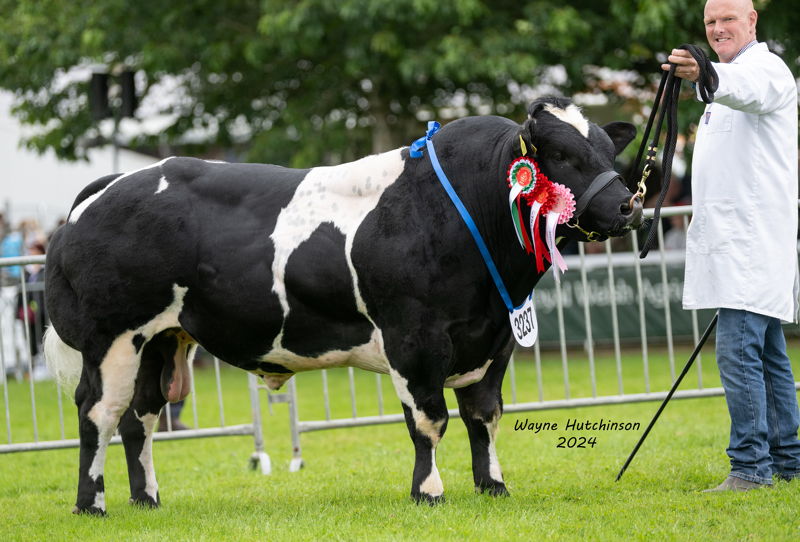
x=22 y=322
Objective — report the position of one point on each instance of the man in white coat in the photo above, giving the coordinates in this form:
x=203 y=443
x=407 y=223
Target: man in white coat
x=741 y=249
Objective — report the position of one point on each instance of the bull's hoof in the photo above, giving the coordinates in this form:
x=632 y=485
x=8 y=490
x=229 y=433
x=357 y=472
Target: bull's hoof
x=89 y=511
x=144 y=502
x=495 y=489
x=424 y=498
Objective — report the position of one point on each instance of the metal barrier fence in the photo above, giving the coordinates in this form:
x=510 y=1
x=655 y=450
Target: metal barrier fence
x=574 y=311
x=637 y=292
x=22 y=323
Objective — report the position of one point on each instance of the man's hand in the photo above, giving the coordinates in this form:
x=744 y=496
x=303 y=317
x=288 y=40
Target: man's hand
x=686 y=66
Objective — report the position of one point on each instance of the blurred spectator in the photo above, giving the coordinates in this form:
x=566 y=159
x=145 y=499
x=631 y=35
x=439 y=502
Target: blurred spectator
x=10 y=247
x=32 y=232
x=174 y=417
x=31 y=309
x=4 y=228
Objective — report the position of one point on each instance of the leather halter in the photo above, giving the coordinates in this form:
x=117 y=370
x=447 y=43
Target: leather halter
x=600 y=183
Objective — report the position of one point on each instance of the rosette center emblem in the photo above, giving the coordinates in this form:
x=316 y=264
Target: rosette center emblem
x=522 y=173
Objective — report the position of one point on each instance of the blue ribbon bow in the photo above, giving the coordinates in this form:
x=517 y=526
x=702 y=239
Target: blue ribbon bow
x=416 y=146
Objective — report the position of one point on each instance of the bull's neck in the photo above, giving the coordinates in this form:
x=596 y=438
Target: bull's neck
x=484 y=190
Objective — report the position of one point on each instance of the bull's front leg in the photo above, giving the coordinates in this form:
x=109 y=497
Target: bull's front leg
x=480 y=406
x=426 y=417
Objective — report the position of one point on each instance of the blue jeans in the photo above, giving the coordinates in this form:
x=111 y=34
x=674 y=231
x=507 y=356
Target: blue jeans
x=760 y=392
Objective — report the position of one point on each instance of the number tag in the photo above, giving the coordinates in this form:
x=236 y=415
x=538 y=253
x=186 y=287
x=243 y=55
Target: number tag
x=523 y=323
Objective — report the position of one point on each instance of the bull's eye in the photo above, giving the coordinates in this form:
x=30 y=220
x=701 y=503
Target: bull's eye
x=557 y=156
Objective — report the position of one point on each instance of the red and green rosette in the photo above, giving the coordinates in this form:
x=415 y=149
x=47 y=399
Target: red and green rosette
x=522 y=174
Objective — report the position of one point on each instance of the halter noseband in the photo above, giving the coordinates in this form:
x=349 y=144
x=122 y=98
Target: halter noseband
x=600 y=183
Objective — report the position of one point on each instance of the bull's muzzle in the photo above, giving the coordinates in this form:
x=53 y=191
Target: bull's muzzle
x=632 y=211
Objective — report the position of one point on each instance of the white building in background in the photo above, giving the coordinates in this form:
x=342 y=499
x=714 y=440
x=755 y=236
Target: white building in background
x=41 y=186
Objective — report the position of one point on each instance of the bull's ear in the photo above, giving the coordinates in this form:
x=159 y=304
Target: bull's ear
x=535 y=107
x=621 y=133
x=523 y=142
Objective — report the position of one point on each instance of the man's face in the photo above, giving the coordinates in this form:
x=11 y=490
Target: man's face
x=730 y=25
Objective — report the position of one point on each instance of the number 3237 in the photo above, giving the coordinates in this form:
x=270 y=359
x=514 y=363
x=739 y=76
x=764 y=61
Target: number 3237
x=523 y=324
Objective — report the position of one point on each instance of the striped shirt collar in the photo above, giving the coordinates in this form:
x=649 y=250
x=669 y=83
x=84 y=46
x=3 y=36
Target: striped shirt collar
x=743 y=49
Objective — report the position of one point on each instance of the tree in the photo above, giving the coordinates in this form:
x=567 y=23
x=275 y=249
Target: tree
x=313 y=81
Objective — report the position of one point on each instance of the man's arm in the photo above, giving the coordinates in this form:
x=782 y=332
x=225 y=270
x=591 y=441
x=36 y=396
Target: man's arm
x=754 y=87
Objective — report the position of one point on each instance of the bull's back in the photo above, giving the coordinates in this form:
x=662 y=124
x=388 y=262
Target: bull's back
x=131 y=238
x=151 y=213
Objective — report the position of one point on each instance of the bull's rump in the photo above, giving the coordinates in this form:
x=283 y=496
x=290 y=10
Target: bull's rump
x=211 y=228
x=201 y=225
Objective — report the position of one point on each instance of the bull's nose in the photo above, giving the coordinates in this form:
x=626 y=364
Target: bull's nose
x=632 y=211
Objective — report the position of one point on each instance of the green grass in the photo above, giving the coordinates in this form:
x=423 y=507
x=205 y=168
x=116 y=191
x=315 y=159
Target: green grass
x=356 y=481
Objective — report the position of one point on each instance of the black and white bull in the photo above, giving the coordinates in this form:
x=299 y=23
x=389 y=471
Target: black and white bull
x=277 y=271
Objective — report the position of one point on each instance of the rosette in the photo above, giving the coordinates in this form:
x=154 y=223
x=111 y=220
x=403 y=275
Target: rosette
x=563 y=203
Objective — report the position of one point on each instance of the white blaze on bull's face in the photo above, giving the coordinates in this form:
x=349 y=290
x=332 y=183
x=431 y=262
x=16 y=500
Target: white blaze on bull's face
x=571 y=115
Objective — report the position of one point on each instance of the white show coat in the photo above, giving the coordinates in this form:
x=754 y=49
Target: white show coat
x=741 y=246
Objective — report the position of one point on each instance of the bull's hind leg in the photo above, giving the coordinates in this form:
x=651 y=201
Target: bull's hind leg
x=426 y=417
x=136 y=429
x=103 y=394
x=480 y=406
x=166 y=355
x=138 y=422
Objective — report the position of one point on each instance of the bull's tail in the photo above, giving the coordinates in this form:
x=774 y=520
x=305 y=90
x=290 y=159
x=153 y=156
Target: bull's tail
x=64 y=362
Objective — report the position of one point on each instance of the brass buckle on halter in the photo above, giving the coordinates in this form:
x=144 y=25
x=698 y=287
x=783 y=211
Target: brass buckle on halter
x=590 y=235
x=641 y=187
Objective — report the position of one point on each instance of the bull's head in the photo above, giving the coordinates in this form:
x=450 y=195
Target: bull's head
x=580 y=155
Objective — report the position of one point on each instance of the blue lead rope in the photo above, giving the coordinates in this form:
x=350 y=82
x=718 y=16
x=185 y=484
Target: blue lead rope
x=417 y=152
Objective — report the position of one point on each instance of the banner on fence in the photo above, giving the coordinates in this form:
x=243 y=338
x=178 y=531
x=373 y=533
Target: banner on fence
x=655 y=292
